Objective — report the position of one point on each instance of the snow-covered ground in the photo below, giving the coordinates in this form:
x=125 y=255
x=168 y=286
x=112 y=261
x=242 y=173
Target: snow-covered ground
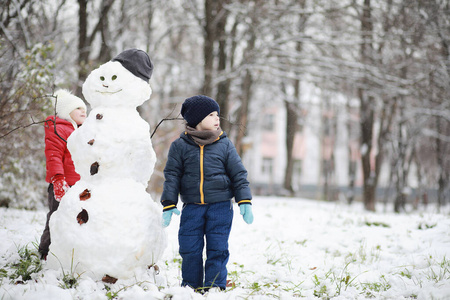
x=294 y=248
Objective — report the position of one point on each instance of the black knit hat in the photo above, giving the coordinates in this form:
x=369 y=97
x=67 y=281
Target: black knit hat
x=196 y=108
x=137 y=62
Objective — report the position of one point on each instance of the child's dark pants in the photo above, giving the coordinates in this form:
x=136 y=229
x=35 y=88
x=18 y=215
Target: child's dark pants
x=212 y=221
x=45 y=238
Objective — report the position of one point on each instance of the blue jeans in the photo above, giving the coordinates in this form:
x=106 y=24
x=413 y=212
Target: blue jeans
x=212 y=221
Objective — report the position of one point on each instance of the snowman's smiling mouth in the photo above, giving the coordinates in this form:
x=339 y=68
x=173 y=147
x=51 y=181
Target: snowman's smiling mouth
x=108 y=92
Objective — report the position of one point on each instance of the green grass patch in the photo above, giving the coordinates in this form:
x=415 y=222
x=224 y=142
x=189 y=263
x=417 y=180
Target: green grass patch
x=28 y=264
x=424 y=226
x=377 y=224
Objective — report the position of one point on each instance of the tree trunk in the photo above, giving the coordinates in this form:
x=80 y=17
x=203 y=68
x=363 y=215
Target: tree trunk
x=351 y=183
x=367 y=112
x=243 y=111
x=85 y=40
x=208 y=46
x=246 y=94
x=245 y=100
x=291 y=130
x=403 y=160
x=440 y=163
x=105 y=48
x=216 y=38
x=351 y=161
x=223 y=87
x=292 y=115
x=399 y=153
x=366 y=123
x=441 y=150
x=83 y=51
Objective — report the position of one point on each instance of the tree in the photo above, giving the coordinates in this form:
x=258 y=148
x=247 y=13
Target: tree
x=292 y=106
x=26 y=67
x=437 y=18
x=215 y=53
x=393 y=57
x=247 y=81
x=367 y=115
x=86 y=40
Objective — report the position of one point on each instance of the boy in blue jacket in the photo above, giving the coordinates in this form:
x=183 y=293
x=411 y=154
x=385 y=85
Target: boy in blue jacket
x=204 y=168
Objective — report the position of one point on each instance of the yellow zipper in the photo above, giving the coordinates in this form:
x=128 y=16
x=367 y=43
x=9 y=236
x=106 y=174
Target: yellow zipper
x=202 y=196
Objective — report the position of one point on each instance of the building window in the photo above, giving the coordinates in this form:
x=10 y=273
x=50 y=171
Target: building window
x=267 y=165
x=269 y=122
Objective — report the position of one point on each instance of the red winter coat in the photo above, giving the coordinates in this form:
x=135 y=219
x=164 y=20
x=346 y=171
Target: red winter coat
x=58 y=158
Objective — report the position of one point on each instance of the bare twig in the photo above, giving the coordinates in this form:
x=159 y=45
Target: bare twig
x=56 y=132
x=180 y=119
x=25 y=126
x=166 y=119
x=54 y=120
x=241 y=127
x=39 y=122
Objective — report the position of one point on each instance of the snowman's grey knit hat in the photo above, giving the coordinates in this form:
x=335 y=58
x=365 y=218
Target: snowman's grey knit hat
x=137 y=62
x=65 y=103
x=196 y=108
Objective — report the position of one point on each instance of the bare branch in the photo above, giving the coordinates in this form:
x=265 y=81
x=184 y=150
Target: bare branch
x=20 y=127
x=166 y=119
x=39 y=122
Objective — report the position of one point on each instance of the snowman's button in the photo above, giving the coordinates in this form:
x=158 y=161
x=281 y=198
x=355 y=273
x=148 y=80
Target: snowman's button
x=91 y=142
x=82 y=217
x=86 y=194
x=94 y=168
x=99 y=116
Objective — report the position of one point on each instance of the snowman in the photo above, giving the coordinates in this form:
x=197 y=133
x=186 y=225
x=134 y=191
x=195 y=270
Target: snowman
x=107 y=225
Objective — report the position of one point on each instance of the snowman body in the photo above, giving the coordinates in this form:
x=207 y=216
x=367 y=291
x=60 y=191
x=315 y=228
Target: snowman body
x=107 y=224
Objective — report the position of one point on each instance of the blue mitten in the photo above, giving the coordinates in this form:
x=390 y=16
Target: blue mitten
x=246 y=212
x=167 y=216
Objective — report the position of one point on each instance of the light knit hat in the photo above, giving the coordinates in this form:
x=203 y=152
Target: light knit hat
x=66 y=102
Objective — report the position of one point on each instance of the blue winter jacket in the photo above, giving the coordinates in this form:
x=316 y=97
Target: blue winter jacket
x=204 y=174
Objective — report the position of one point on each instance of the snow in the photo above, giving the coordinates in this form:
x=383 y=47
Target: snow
x=294 y=248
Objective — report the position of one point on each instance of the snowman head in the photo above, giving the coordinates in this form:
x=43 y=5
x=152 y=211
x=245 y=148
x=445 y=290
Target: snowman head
x=121 y=82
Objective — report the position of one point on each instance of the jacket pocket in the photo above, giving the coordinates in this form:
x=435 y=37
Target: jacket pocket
x=189 y=186
x=218 y=184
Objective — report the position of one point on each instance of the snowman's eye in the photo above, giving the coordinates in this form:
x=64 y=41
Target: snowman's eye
x=102 y=78
x=114 y=77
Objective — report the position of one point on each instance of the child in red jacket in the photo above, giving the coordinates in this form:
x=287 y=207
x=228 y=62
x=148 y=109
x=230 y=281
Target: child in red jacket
x=70 y=114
